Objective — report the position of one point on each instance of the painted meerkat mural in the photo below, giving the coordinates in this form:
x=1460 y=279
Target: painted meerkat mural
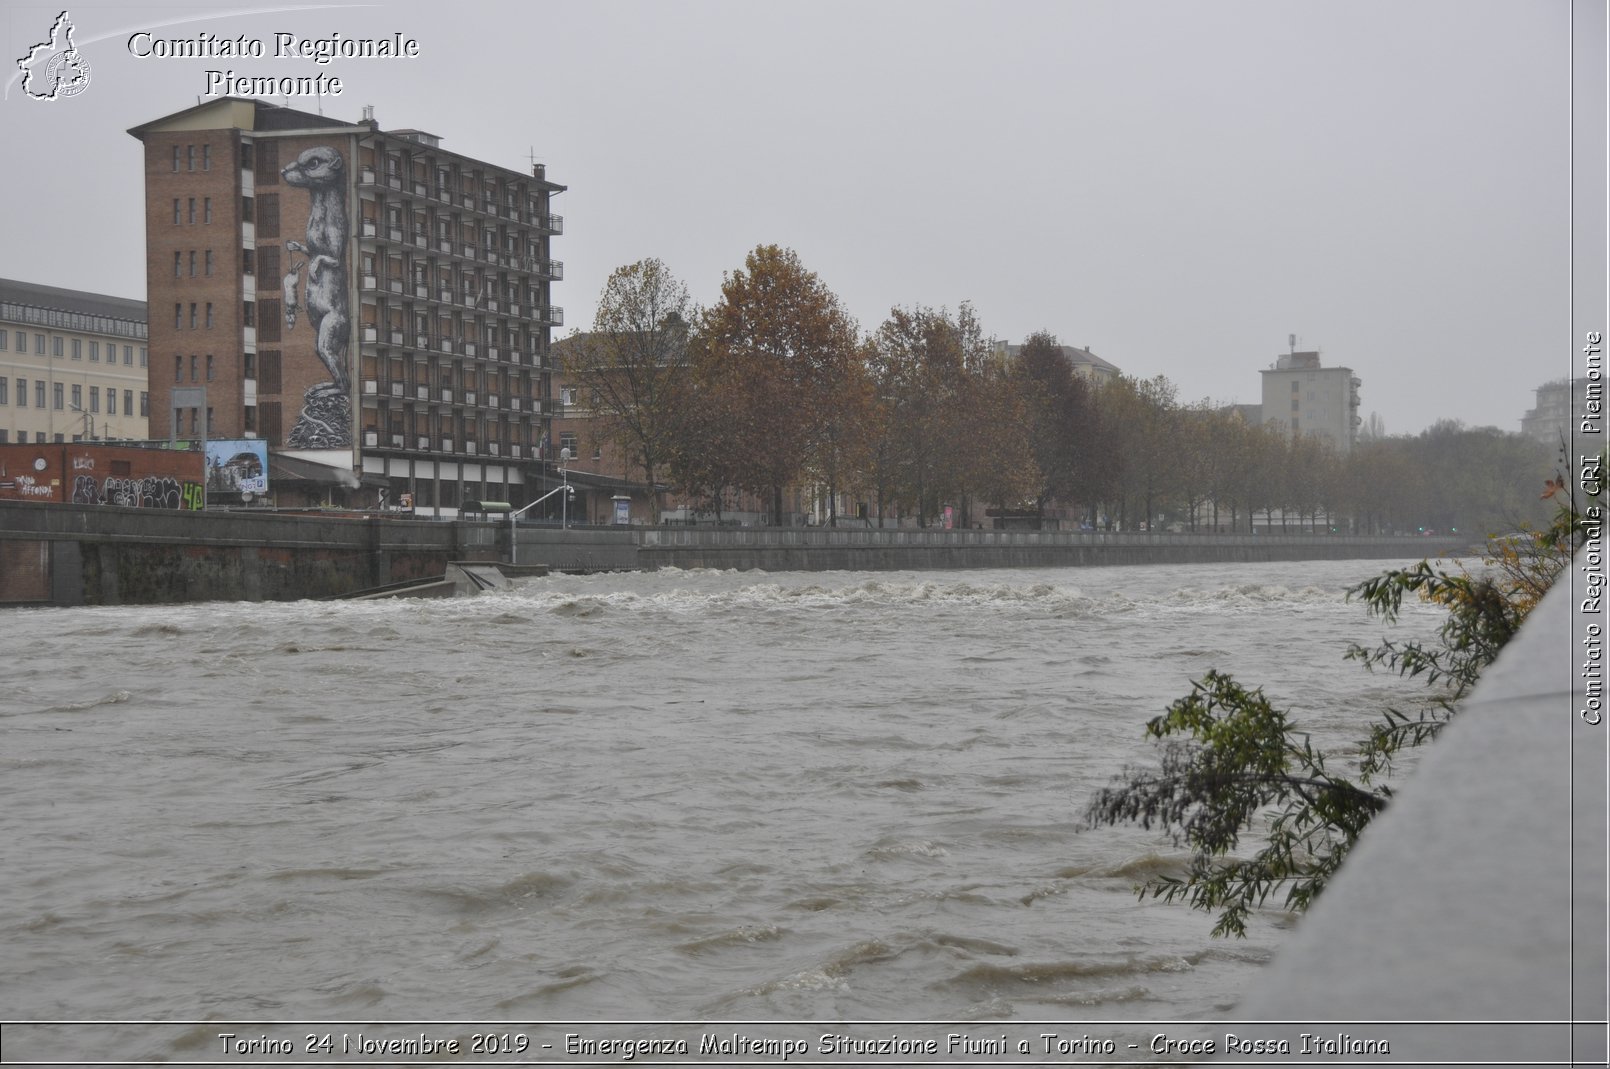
x=326 y=418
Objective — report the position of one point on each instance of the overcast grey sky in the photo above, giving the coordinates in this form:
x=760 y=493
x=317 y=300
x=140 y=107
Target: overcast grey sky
x=1177 y=185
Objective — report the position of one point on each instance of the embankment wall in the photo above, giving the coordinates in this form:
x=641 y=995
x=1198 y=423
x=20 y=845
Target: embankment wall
x=64 y=554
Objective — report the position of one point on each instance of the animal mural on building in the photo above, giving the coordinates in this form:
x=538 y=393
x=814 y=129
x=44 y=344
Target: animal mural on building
x=149 y=492
x=326 y=418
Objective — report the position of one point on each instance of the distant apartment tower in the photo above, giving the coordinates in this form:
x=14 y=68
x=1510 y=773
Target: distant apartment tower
x=1302 y=397
x=1559 y=405
x=72 y=365
x=362 y=299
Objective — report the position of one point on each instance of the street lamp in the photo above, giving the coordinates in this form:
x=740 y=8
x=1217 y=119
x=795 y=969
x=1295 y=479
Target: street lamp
x=564 y=481
x=514 y=534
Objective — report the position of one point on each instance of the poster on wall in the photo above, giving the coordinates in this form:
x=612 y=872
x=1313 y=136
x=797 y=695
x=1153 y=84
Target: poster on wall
x=237 y=466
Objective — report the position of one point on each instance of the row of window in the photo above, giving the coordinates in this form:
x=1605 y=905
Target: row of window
x=59 y=397
x=178 y=369
x=59 y=347
x=188 y=154
x=184 y=210
x=12 y=312
x=195 y=318
x=179 y=260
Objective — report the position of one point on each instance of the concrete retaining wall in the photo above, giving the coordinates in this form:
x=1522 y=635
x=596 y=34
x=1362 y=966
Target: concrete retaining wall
x=105 y=555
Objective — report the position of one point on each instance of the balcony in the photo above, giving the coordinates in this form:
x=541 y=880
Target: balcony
x=371 y=438
x=396 y=441
x=371 y=388
x=396 y=389
x=366 y=176
x=371 y=334
x=447 y=396
x=551 y=269
x=369 y=229
x=424 y=395
x=552 y=224
x=552 y=316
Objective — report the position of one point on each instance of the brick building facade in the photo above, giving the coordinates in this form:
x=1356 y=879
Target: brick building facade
x=359 y=298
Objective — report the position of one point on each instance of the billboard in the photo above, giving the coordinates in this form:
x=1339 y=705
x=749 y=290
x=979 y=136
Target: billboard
x=237 y=466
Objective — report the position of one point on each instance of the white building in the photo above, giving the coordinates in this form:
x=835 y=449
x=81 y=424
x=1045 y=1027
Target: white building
x=1302 y=397
x=72 y=365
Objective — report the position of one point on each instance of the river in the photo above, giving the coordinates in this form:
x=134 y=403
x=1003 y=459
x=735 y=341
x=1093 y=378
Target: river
x=680 y=796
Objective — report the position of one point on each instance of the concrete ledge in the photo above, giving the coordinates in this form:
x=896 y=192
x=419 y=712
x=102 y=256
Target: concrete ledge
x=1479 y=896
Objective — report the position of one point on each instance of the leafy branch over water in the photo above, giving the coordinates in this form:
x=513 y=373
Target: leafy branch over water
x=1234 y=766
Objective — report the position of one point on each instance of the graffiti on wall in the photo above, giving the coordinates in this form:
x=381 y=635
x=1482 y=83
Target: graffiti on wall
x=325 y=421
x=150 y=492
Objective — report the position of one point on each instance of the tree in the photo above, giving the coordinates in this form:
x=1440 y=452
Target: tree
x=635 y=365
x=771 y=354
x=1230 y=758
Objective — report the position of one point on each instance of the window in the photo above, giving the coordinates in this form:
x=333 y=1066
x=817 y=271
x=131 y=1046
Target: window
x=178 y=369
x=248 y=365
x=246 y=155
x=39 y=393
x=192 y=315
x=190 y=157
x=249 y=314
x=2 y=339
x=209 y=262
x=206 y=209
x=192 y=369
x=209 y=315
x=178 y=259
x=209 y=367
x=5 y=391
x=78 y=396
x=192 y=263
x=145 y=403
x=206 y=157
x=246 y=209
x=192 y=209
x=95 y=399
x=22 y=393
x=78 y=349
x=567 y=440
x=248 y=260
x=39 y=345
x=95 y=352
x=55 y=395
x=178 y=316
x=4 y=436
x=175 y=211
x=55 y=345
x=128 y=402
x=176 y=158
x=128 y=355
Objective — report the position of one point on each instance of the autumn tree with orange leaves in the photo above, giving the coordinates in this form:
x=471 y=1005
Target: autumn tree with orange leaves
x=777 y=358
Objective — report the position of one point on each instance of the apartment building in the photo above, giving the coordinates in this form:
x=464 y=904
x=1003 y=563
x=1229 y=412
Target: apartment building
x=1561 y=404
x=72 y=365
x=362 y=299
x=1302 y=397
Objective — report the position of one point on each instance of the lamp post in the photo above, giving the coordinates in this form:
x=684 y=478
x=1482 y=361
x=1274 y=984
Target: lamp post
x=564 y=482
x=514 y=534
